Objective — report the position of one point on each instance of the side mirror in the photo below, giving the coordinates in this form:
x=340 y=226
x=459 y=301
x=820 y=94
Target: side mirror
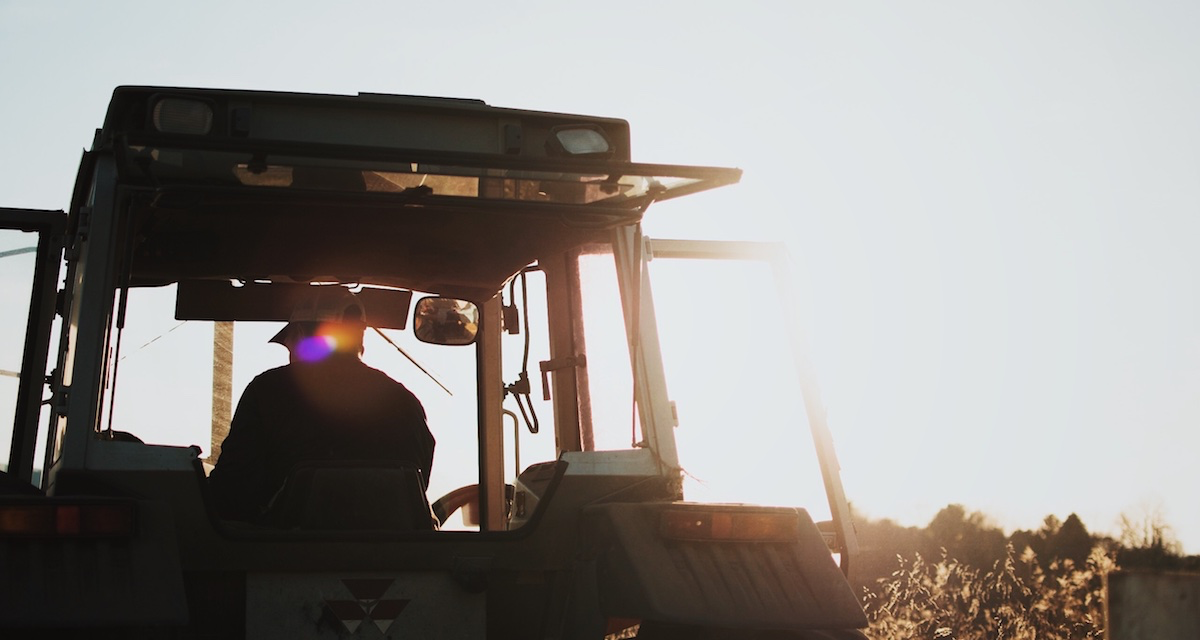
x=446 y=321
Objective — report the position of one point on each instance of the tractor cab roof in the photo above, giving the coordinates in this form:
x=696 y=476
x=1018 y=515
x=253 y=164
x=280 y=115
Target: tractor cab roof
x=440 y=195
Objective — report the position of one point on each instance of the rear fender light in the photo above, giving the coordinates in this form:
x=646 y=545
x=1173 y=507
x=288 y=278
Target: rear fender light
x=732 y=526
x=56 y=519
x=622 y=627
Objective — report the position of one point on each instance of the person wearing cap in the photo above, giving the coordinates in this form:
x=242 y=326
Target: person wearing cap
x=325 y=404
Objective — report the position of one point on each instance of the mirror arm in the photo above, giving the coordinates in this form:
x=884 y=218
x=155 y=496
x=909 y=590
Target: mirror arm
x=412 y=360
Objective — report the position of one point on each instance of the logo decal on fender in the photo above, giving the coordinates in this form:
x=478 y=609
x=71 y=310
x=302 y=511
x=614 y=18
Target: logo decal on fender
x=368 y=604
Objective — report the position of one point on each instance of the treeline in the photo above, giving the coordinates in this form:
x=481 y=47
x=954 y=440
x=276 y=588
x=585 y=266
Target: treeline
x=962 y=578
x=971 y=538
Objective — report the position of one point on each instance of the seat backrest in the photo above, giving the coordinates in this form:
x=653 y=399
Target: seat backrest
x=353 y=495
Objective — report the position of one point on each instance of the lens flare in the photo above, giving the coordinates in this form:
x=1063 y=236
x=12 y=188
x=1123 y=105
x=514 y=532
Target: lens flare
x=315 y=348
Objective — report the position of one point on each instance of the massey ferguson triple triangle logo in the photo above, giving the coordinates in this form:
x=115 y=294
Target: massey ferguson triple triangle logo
x=368 y=604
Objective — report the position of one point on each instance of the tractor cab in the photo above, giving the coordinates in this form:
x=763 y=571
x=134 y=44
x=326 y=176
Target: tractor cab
x=499 y=260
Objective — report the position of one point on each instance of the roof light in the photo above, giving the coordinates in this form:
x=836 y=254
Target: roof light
x=734 y=526
x=579 y=141
x=54 y=519
x=180 y=115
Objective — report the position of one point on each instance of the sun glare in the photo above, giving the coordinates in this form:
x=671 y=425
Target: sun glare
x=315 y=348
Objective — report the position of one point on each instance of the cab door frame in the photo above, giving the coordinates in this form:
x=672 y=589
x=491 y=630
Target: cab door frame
x=51 y=229
x=843 y=541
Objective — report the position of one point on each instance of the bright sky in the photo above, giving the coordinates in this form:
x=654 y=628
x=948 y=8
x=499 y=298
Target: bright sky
x=991 y=209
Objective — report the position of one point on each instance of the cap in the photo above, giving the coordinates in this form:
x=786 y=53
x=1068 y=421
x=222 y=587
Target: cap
x=325 y=304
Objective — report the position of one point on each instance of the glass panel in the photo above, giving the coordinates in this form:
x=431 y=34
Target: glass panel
x=160 y=382
x=605 y=383
x=609 y=382
x=451 y=413
x=164 y=383
x=17 y=261
x=523 y=447
x=743 y=434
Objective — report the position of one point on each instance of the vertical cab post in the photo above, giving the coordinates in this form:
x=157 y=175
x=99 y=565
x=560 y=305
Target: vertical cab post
x=562 y=306
x=491 y=419
x=85 y=333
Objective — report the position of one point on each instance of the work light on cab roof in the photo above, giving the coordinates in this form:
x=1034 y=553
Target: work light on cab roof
x=178 y=115
x=578 y=142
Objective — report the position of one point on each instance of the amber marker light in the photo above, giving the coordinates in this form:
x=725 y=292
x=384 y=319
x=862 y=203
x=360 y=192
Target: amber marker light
x=733 y=526
x=71 y=520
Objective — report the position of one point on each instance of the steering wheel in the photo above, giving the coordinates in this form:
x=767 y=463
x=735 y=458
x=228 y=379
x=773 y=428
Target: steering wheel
x=446 y=505
x=467 y=496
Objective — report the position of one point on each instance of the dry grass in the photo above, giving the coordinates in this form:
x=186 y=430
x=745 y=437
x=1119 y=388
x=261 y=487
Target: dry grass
x=1017 y=599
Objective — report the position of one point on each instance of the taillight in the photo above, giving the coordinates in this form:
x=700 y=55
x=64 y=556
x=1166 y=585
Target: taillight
x=736 y=526
x=55 y=519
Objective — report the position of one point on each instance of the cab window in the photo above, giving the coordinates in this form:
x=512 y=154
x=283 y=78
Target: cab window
x=16 y=275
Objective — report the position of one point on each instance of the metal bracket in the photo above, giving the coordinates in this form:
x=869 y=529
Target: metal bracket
x=62 y=396
x=72 y=246
x=556 y=364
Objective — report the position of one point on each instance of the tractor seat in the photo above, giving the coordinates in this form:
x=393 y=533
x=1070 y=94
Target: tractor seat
x=342 y=495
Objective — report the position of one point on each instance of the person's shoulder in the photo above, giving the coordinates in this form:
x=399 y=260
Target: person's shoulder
x=377 y=374
x=276 y=372
x=270 y=377
x=383 y=379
